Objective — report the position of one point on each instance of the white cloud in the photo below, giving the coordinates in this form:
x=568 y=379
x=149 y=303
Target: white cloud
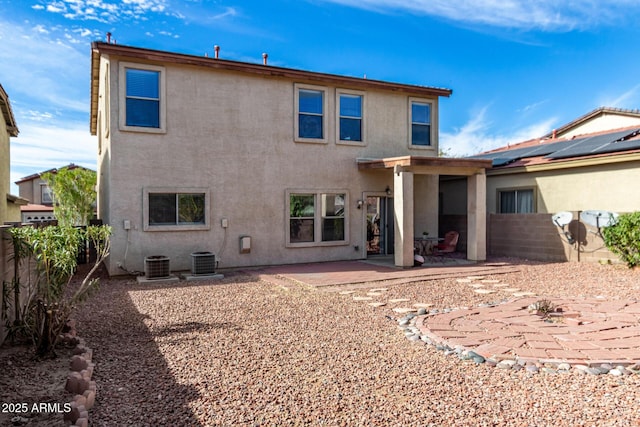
x=478 y=135
x=548 y=15
x=628 y=99
x=106 y=12
x=43 y=68
x=41 y=147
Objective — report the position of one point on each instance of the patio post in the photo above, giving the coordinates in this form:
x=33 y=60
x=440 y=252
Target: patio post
x=477 y=217
x=403 y=216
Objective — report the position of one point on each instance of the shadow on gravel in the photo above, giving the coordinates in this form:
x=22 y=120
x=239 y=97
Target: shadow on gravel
x=134 y=384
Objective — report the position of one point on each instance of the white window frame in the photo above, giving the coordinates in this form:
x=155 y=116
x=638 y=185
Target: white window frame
x=122 y=101
x=325 y=116
x=433 y=134
x=362 y=117
x=176 y=190
x=515 y=190
x=317 y=219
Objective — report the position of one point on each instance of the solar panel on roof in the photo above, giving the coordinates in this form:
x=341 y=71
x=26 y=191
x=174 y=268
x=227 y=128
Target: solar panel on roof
x=591 y=145
x=505 y=157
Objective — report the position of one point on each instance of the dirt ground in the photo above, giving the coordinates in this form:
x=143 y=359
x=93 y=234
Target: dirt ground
x=26 y=384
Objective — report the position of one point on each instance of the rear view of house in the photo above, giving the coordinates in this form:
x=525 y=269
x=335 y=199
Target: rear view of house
x=265 y=165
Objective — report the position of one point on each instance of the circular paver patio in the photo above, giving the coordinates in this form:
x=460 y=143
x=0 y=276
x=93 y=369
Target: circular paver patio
x=582 y=331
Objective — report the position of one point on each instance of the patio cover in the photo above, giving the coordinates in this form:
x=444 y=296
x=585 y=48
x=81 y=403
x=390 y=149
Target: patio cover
x=404 y=168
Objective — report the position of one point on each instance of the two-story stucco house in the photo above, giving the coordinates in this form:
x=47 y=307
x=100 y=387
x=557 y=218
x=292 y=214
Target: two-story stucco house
x=9 y=203
x=265 y=165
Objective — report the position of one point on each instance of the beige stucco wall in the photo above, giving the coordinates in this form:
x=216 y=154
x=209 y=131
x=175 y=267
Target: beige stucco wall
x=604 y=187
x=4 y=171
x=31 y=190
x=234 y=135
x=600 y=123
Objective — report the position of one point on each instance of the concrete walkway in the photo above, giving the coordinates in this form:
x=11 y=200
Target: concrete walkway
x=351 y=273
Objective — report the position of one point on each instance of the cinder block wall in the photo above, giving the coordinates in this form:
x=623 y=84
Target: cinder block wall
x=27 y=276
x=535 y=237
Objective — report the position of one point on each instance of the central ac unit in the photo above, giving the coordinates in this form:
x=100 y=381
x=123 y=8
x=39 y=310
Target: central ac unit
x=156 y=267
x=203 y=263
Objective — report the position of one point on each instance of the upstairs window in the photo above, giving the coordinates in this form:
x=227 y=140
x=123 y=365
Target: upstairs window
x=310 y=115
x=311 y=106
x=142 y=106
x=46 y=195
x=350 y=117
x=420 y=123
x=516 y=201
x=143 y=98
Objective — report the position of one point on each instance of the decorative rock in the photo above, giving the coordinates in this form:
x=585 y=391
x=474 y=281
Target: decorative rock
x=403 y=310
x=506 y=364
x=564 y=367
x=532 y=369
x=73 y=414
x=90 y=398
x=72 y=383
x=422 y=311
x=616 y=372
x=592 y=371
x=82 y=422
x=78 y=363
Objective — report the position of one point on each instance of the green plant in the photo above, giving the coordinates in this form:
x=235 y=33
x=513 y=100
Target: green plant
x=544 y=307
x=623 y=238
x=74 y=194
x=55 y=253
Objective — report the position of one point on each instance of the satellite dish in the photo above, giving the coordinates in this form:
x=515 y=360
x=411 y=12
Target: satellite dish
x=562 y=218
x=599 y=219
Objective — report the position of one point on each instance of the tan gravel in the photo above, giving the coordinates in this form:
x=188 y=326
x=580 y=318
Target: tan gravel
x=249 y=352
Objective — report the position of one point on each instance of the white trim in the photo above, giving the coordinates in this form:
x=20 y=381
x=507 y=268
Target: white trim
x=325 y=113
x=433 y=131
x=363 y=129
x=122 y=99
x=317 y=219
x=176 y=190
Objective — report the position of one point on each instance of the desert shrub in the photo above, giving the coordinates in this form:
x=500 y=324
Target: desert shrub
x=55 y=250
x=623 y=238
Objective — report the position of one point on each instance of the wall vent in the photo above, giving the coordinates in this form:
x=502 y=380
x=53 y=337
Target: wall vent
x=203 y=263
x=156 y=267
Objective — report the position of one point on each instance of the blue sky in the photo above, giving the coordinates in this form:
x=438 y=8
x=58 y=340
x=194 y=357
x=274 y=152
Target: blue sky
x=517 y=68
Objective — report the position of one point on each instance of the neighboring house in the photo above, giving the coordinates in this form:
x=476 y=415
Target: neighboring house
x=265 y=165
x=597 y=170
x=594 y=170
x=598 y=120
x=37 y=191
x=9 y=203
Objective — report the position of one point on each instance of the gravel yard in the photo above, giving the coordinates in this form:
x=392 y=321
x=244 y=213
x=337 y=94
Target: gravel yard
x=243 y=351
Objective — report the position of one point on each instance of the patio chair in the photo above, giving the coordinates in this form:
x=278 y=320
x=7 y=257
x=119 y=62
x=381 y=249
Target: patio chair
x=448 y=245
